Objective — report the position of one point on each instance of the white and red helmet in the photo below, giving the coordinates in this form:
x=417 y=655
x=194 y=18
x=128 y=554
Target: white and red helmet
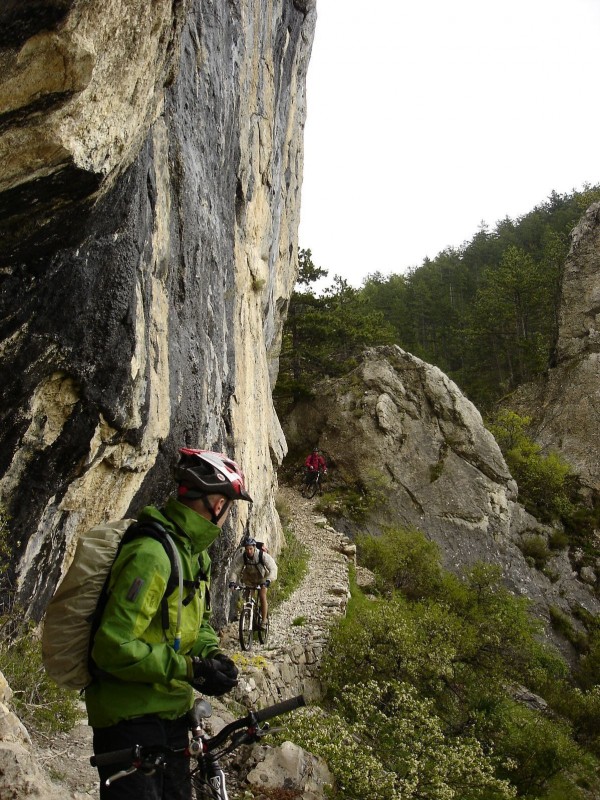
x=206 y=472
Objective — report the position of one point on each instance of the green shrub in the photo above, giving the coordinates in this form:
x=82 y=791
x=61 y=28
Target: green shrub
x=4 y=538
x=461 y=648
x=558 y=539
x=292 y=564
x=385 y=742
x=346 y=501
x=436 y=663
x=563 y=624
x=533 y=748
x=42 y=706
x=544 y=481
x=402 y=559
x=536 y=548
x=582 y=708
x=587 y=672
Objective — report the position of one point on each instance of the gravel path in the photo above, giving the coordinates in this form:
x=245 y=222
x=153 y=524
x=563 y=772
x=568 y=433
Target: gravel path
x=307 y=614
x=327 y=577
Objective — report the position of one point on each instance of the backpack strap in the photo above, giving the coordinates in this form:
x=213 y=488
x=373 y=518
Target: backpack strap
x=154 y=530
x=203 y=576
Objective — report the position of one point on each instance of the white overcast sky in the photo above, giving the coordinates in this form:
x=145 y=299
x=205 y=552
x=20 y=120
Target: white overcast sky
x=427 y=117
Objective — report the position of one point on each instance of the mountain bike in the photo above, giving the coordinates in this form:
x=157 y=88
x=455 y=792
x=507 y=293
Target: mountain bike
x=312 y=483
x=207 y=777
x=251 y=621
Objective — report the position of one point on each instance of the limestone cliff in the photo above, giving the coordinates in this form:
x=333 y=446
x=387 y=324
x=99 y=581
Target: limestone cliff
x=407 y=448
x=565 y=405
x=149 y=200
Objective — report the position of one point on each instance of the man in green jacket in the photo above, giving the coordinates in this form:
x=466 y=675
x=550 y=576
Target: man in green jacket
x=147 y=666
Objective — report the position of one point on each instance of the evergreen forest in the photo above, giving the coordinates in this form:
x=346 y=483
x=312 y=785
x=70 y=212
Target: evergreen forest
x=485 y=312
x=440 y=686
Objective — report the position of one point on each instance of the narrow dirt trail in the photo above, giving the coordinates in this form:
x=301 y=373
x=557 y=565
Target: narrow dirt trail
x=309 y=611
x=326 y=577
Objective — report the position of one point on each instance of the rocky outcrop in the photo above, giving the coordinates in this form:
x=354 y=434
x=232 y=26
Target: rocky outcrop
x=21 y=776
x=565 y=405
x=406 y=448
x=149 y=201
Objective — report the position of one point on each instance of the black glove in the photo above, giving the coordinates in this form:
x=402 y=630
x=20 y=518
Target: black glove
x=227 y=665
x=267 y=583
x=232 y=584
x=212 y=676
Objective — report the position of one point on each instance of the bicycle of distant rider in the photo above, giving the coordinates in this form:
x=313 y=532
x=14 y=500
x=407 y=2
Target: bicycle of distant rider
x=312 y=483
x=251 y=623
x=207 y=777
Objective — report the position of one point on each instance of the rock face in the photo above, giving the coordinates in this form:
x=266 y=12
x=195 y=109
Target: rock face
x=20 y=773
x=401 y=431
x=566 y=406
x=149 y=202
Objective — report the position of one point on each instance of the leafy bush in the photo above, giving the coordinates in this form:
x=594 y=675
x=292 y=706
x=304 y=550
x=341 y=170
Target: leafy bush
x=460 y=648
x=385 y=742
x=292 y=564
x=587 y=672
x=558 y=540
x=534 y=747
x=42 y=706
x=536 y=548
x=4 y=546
x=563 y=624
x=582 y=708
x=437 y=663
x=544 y=481
x=402 y=559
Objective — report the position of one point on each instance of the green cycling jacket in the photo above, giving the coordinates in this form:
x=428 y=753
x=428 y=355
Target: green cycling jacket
x=140 y=671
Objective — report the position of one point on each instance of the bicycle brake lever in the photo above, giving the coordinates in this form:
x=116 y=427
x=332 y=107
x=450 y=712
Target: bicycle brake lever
x=123 y=773
x=266 y=728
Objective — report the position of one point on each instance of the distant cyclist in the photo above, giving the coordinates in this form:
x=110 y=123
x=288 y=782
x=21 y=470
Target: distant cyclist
x=253 y=566
x=314 y=463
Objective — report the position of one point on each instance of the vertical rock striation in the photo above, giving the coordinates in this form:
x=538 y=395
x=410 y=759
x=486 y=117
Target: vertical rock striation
x=570 y=414
x=149 y=200
x=565 y=404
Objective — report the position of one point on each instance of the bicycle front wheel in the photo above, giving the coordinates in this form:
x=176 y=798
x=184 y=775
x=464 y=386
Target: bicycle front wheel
x=202 y=790
x=311 y=489
x=245 y=629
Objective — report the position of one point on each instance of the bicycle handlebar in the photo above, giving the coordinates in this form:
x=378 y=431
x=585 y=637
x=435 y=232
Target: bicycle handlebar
x=126 y=756
x=253 y=718
x=279 y=708
x=241 y=587
x=130 y=755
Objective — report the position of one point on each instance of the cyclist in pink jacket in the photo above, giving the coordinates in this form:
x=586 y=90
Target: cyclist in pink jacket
x=315 y=461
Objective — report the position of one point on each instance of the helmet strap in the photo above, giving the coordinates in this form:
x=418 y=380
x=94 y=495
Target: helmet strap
x=214 y=518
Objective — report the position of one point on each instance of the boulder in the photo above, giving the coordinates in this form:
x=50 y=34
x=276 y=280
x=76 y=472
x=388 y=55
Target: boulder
x=415 y=453
x=290 y=767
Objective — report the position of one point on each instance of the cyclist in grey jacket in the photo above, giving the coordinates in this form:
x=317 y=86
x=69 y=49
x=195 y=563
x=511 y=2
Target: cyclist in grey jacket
x=253 y=566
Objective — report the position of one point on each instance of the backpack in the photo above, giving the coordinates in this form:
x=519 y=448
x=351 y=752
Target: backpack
x=73 y=615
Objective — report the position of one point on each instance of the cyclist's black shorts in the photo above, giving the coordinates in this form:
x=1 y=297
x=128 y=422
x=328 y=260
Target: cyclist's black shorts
x=171 y=784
